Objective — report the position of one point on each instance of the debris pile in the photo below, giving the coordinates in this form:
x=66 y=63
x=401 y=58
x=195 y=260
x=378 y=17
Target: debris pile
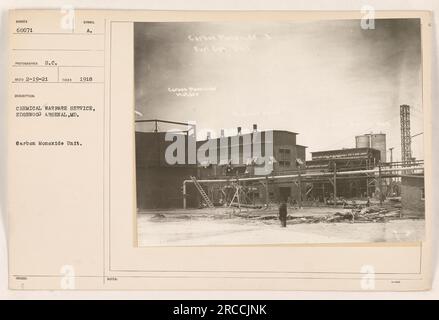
x=369 y=214
x=356 y=215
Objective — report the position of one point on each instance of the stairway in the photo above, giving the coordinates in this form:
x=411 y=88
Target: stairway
x=202 y=192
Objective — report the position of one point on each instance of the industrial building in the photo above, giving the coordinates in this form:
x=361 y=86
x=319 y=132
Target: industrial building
x=262 y=167
x=413 y=196
x=159 y=184
x=278 y=150
x=237 y=154
x=353 y=159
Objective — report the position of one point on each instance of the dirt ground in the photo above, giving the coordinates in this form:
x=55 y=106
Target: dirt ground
x=222 y=226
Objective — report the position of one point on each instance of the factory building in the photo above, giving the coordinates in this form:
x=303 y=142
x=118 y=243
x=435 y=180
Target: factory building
x=246 y=155
x=259 y=153
x=342 y=160
x=345 y=159
x=237 y=157
x=239 y=154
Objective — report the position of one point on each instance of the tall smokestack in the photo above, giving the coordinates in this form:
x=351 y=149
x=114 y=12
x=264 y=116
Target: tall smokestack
x=239 y=131
x=255 y=127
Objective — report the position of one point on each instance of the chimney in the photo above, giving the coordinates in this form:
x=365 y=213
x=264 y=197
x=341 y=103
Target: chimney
x=239 y=131
x=255 y=127
x=208 y=135
x=222 y=133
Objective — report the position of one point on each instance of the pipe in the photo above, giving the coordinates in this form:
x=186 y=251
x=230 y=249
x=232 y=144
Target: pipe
x=308 y=175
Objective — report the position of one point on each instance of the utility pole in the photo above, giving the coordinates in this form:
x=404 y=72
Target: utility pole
x=238 y=190
x=391 y=156
x=391 y=165
x=335 y=183
x=300 y=188
x=299 y=164
x=266 y=191
x=184 y=195
x=380 y=184
x=367 y=179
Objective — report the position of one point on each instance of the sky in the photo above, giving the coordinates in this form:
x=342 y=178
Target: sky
x=326 y=80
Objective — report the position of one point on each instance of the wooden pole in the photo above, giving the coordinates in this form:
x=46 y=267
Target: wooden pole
x=367 y=179
x=238 y=190
x=391 y=165
x=184 y=195
x=367 y=187
x=335 y=184
x=391 y=156
x=266 y=191
x=300 y=188
x=380 y=183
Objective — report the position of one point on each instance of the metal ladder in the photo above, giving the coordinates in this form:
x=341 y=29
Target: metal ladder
x=202 y=192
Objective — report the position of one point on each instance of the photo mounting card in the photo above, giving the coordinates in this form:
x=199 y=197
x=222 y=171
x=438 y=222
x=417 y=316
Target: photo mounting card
x=219 y=150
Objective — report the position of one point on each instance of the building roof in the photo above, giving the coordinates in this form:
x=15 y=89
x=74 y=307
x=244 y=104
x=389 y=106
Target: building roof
x=248 y=133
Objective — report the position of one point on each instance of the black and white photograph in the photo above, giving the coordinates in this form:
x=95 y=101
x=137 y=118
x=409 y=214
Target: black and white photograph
x=278 y=132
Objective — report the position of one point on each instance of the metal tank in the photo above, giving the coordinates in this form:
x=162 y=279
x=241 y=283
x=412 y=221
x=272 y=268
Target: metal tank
x=375 y=141
x=378 y=142
x=362 y=141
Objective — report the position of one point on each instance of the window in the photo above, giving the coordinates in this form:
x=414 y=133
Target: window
x=284 y=163
x=284 y=157
x=422 y=193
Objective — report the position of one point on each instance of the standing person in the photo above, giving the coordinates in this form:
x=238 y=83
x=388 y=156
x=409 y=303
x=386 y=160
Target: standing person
x=283 y=214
